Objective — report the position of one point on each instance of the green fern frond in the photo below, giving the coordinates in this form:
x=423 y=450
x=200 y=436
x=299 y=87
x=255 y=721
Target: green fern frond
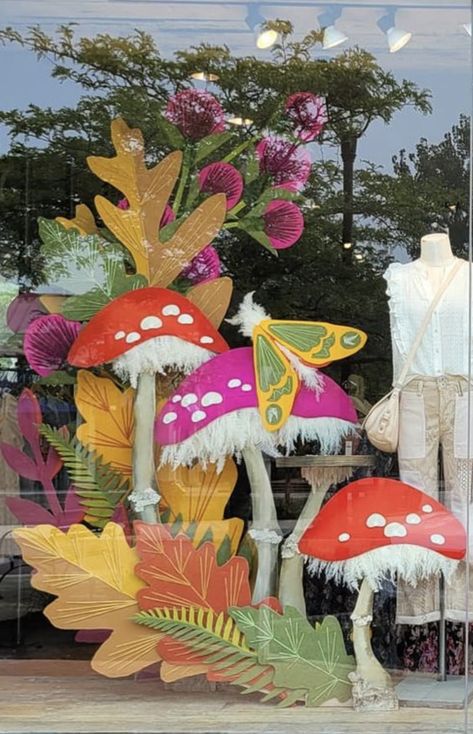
x=217 y=642
x=99 y=488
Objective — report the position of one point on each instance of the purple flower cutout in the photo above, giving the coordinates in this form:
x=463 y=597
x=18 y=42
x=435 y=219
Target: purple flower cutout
x=47 y=342
x=308 y=112
x=196 y=113
x=283 y=223
x=204 y=267
x=288 y=165
x=222 y=178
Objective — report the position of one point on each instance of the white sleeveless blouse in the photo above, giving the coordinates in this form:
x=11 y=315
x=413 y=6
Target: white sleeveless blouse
x=444 y=348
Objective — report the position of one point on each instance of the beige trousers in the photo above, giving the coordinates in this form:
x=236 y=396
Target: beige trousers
x=433 y=415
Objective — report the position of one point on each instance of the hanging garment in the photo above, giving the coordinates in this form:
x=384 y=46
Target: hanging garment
x=9 y=480
x=411 y=288
x=433 y=415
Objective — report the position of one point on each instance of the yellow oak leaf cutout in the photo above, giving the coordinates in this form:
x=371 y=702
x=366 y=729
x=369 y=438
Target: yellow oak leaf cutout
x=213 y=298
x=83 y=221
x=148 y=191
x=108 y=424
x=198 y=497
x=93 y=578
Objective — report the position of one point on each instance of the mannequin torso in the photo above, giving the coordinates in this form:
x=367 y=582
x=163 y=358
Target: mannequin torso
x=437 y=256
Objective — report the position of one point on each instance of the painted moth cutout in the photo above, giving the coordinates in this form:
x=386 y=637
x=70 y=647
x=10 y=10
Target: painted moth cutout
x=286 y=353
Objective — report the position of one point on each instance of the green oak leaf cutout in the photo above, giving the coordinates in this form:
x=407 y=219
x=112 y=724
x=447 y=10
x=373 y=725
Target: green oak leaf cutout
x=303 y=657
x=87 y=266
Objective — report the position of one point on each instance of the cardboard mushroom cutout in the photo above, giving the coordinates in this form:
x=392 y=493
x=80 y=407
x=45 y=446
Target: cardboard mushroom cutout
x=144 y=332
x=371 y=530
x=215 y=413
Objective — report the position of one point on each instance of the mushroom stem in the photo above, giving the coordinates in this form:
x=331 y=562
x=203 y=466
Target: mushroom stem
x=144 y=497
x=265 y=529
x=291 y=589
x=373 y=688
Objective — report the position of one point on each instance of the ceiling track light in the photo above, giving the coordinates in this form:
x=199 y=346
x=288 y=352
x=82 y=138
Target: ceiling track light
x=397 y=38
x=332 y=36
x=467 y=27
x=204 y=76
x=264 y=37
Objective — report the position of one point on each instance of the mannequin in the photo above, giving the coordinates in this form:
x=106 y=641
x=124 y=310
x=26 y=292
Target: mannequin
x=434 y=403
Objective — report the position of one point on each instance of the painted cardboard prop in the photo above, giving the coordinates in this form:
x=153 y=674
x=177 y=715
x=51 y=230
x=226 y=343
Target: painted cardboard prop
x=175 y=591
x=375 y=529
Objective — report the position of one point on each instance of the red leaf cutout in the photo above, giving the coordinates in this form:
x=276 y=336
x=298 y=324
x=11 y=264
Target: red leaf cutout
x=29 y=513
x=179 y=575
x=29 y=418
x=53 y=463
x=20 y=462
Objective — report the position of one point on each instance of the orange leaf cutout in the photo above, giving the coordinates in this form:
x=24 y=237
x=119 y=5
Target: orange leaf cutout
x=213 y=298
x=93 y=577
x=148 y=191
x=53 y=304
x=83 y=221
x=178 y=575
x=196 y=493
x=219 y=530
x=108 y=415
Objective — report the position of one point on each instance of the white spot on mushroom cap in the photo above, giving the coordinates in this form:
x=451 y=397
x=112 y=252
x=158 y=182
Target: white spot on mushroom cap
x=395 y=530
x=343 y=537
x=198 y=416
x=176 y=398
x=437 y=539
x=171 y=310
x=234 y=383
x=206 y=340
x=427 y=508
x=132 y=337
x=376 y=520
x=185 y=318
x=119 y=335
x=169 y=418
x=413 y=519
x=246 y=387
x=211 y=398
x=189 y=399
x=151 y=322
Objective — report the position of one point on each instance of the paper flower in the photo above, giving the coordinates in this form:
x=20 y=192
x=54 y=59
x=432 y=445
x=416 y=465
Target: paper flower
x=168 y=214
x=47 y=342
x=204 y=267
x=308 y=112
x=196 y=113
x=222 y=178
x=285 y=163
x=283 y=223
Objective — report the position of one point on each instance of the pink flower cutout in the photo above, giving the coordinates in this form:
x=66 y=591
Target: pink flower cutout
x=167 y=218
x=47 y=342
x=196 y=113
x=287 y=164
x=283 y=223
x=222 y=178
x=204 y=267
x=308 y=112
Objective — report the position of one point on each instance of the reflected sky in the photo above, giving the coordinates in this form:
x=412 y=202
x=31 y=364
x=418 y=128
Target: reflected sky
x=438 y=56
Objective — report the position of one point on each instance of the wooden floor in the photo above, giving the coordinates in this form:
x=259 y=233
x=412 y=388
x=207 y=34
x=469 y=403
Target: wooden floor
x=59 y=698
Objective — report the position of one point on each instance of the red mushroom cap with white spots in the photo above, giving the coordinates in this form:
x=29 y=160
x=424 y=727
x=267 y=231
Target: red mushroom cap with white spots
x=376 y=527
x=182 y=335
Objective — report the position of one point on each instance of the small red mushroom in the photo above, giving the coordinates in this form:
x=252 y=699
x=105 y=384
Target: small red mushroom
x=373 y=529
x=140 y=333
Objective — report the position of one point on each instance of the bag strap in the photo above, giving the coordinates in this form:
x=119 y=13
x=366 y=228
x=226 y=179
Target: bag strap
x=426 y=320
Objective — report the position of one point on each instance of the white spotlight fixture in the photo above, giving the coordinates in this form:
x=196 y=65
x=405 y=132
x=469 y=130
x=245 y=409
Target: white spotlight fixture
x=396 y=37
x=332 y=36
x=264 y=37
x=467 y=27
x=204 y=76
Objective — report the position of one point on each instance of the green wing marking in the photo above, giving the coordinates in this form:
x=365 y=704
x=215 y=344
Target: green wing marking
x=269 y=366
x=301 y=336
x=350 y=340
x=286 y=389
x=327 y=344
x=273 y=414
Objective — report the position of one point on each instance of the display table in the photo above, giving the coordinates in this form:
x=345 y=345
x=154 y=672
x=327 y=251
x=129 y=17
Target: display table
x=321 y=472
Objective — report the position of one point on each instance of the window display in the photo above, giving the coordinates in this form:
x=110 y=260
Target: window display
x=218 y=275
